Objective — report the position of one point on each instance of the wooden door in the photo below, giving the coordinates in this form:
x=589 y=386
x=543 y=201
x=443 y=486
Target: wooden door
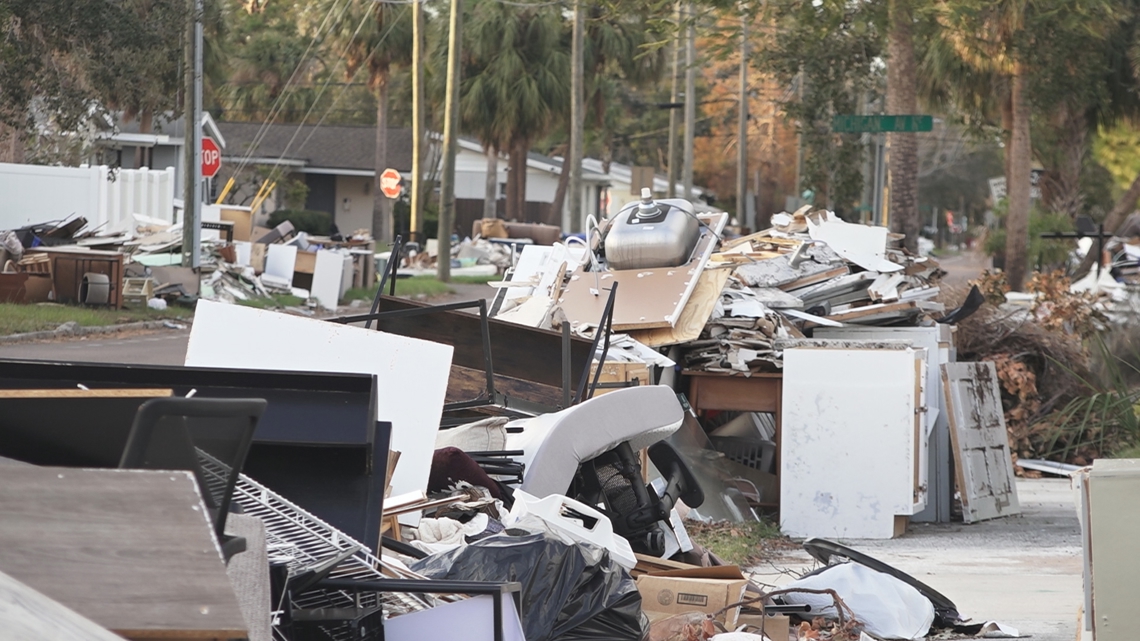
x=979 y=441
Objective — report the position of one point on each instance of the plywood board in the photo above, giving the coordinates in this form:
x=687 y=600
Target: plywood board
x=647 y=298
x=979 y=440
x=327 y=274
x=132 y=551
x=695 y=315
x=242 y=219
x=279 y=261
x=847 y=449
x=411 y=374
x=28 y=614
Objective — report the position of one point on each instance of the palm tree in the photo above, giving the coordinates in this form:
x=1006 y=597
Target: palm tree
x=902 y=99
x=515 y=83
x=383 y=42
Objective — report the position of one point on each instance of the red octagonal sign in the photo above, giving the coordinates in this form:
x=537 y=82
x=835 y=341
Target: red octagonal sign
x=390 y=183
x=211 y=157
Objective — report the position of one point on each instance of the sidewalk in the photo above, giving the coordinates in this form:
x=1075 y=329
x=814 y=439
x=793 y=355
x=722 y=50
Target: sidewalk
x=1022 y=571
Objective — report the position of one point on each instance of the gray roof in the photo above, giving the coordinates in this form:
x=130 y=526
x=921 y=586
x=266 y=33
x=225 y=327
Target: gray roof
x=324 y=147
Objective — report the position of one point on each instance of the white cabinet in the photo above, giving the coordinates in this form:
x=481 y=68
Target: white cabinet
x=854 y=438
x=1110 y=518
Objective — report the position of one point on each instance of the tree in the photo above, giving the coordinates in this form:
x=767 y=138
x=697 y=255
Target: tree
x=514 y=83
x=64 y=62
x=383 y=42
x=901 y=99
x=828 y=51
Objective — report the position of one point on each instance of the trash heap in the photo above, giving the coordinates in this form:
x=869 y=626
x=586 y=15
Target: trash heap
x=139 y=261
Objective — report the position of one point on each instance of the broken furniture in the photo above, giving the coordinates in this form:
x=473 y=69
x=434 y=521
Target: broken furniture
x=853 y=452
x=1109 y=518
x=177 y=433
x=497 y=363
x=318 y=442
x=982 y=458
x=71 y=264
x=759 y=392
x=938 y=340
x=130 y=550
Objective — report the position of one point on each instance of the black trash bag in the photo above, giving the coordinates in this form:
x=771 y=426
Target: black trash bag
x=569 y=592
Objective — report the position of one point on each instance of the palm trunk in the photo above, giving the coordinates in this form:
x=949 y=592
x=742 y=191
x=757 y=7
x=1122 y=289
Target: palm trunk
x=11 y=144
x=491 y=185
x=1125 y=206
x=381 y=205
x=516 y=182
x=904 y=148
x=1066 y=193
x=1020 y=159
x=554 y=217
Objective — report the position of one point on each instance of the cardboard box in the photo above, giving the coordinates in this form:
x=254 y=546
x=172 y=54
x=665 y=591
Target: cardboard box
x=698 y=590
x=775 y=626
x=306 y=262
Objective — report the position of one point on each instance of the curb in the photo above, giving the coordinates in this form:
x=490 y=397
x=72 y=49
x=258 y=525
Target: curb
x=71 y=330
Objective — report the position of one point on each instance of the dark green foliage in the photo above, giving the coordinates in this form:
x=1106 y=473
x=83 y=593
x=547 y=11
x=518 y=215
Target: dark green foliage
x=317 y=223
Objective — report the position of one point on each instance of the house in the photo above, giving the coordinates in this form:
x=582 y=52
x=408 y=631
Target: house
x=128 y=148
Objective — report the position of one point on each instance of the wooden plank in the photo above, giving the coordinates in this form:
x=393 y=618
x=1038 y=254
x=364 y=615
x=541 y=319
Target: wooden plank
x=131 y=550
x=86 y=393
x=868 y=313
x=525 y=353
x=28 y=614
x=466 y=384
x=695 y=315
x=982 y=459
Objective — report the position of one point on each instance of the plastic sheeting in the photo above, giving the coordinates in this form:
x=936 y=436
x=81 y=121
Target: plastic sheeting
x=569 y=592
x=887 y=607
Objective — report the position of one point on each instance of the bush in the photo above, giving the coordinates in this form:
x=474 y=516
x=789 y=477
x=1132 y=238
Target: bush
x=317 y=223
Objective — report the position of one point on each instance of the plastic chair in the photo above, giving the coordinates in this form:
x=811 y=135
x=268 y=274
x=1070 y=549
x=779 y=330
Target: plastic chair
x=190 y=434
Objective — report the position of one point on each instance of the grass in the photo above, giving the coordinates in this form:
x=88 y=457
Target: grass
x=274 y=301
x=1131 y=452
x=426 y=286
x=737 y=543
x=17 y=319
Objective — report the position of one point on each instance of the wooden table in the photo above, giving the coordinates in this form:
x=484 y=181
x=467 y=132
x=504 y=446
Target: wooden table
x=132 y=551
x=756 y=393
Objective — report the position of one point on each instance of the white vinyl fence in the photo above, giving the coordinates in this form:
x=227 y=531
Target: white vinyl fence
x=32 y=194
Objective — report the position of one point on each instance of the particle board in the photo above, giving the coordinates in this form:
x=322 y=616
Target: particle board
x=646 y=298
x=411 y=374
x=695 y=315
x=980 y=442
x=133 y=551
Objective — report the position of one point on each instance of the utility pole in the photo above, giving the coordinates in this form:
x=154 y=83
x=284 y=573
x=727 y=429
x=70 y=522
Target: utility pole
x=742 y=128
x=417 y=118
x=690 y=102
x=576 y=115
x=674 y=174
x=450 y=144
x=192 y=106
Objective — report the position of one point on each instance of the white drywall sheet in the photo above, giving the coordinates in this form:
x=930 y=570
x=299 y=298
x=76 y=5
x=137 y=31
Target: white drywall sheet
x=280 y=261
x=848 y=445
x=326 y=278
x=470 y=619
x=411 y=374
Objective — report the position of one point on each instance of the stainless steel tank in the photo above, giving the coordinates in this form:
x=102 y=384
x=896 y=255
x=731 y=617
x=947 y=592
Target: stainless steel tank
x=652 y=233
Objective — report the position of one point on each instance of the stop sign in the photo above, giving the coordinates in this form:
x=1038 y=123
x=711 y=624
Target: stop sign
x=211 y=157
x=390 y=183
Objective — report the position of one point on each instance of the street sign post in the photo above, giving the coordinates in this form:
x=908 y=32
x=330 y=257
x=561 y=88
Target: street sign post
x=211 y=157
x=877 y=124
x=390 y=183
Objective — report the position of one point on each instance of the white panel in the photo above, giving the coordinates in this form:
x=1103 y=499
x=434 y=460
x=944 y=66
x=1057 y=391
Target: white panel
x=326 y=278
x=474 y=616
x=1114 y=519
x=847 y=442
x=411 y=374
x=280 y=261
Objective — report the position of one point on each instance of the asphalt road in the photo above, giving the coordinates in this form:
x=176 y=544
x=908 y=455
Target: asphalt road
x=165 y=347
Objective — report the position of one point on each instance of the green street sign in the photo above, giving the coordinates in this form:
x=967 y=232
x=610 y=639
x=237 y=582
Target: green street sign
x=876 y=124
